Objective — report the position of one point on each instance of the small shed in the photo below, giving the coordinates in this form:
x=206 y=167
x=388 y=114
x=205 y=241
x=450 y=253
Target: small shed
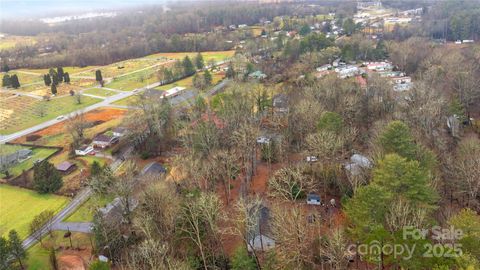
x=66 y=167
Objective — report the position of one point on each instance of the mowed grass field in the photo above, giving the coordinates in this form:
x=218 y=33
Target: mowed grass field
x=134 y=80
x=22 y=112
x=100 y=92
x=215 y=55
x=19 y=206
x=123 y=67
x=37 y=154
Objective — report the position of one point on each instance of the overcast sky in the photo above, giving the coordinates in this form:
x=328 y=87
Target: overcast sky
x=45 y=8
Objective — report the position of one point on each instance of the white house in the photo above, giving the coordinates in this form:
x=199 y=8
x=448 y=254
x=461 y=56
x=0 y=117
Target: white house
x=379 y=66
x=172 y=92
x=324 y=67
x=84 y=150
x=347 y=71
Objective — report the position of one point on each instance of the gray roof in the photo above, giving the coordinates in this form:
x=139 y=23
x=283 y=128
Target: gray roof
x=314 y=197
x=154 y=168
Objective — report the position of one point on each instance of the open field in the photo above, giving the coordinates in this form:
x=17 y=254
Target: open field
x=134 y=80
x=99 y=92
x=22 y=112
x=40 y=89
x=26 y=77
x=120 y=68
x=19 y=206
x=37 y=154
x=38 y=255
x=215 y=55
x=9 y=42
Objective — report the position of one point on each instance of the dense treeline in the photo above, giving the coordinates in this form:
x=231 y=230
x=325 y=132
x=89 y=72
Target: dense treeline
x=105 y=40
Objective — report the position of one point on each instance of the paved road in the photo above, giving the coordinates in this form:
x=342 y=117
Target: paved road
x=83 y=227
x=103 y=103
x=57 y=224
x=81 y=197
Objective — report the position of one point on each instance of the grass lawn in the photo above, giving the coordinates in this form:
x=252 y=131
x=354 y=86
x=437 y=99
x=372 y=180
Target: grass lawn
x=100 y=92
x=128 y=101
x=188 y=82
x=38 y=153
x=19 y=206
x=38 y=255
x=22 y=112
x=123 y=67
x=86 y=211
x=134 y=80
x=215 y=55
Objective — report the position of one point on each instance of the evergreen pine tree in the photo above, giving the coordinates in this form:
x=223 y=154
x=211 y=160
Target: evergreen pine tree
x=48 y=80
x=66 y=77
x=6 y=81
x=4 y=253
x=46 y=179
x=14 y=81
x=207 y=77
x=199 y=63
x=98 y=76
x=60 y=74
x=188 y=67
x=53 y=89
x=230 y=72
x=16 y=248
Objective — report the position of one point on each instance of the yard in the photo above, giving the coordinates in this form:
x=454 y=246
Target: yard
x=124 y=67
x=37 y=154
x=22 y=112
x=19 y=206
x=86 y=211
x=38 y=255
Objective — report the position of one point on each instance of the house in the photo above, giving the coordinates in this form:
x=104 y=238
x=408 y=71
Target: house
x=116 y=209
x=259 y=235
x=172 y=92
x=242 y=25
x=84 y=150
x=258 y=75
x=154 y=168
x=379 y=66
x=104 y=141
x=347 y=71
x=357 y=164
x=17 y=156
x=313 y=199
x=280 y=103
x=66 y=167
x=119 y=131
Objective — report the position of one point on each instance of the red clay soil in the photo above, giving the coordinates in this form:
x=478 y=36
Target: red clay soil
x=71 y=262
x=104 y=114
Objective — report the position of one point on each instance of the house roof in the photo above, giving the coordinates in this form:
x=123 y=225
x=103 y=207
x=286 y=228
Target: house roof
x=64 y=166
x=154 y=168
x=102 y=138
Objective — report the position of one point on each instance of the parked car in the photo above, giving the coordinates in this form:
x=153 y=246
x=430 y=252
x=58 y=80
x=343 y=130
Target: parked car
x=61 y=117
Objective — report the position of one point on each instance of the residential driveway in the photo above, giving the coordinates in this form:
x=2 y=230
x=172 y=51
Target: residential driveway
x=84 y=227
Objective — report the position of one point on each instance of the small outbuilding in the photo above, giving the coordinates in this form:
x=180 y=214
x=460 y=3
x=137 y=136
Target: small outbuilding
x=84 y=150
x=66 y=167
x=313 y=199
